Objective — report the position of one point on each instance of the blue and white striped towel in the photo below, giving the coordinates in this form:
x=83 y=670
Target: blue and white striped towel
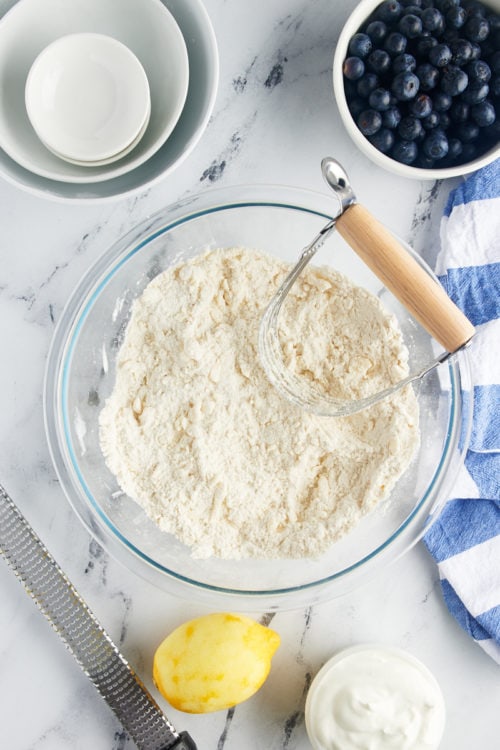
x=465 y=539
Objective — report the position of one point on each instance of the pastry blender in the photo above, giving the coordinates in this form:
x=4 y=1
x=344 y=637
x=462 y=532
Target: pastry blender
x=420 y=294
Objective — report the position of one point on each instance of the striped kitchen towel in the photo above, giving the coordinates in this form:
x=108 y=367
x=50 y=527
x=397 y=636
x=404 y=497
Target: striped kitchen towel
x=465 y=539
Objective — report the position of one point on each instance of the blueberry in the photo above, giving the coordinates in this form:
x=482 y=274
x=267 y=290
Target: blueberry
x=360 y=45
x=369 y=121
x=455 y=147
x=461 y=51
x=404 y=63
x=469 y=152
x=440 y=55
x=377 y=31
x=445 y=5
x=350 y=89
x=405 y=151
x=356 y=106
x=467 y=131
x=410 y=25
x=454 y=80
x=444 y=121
x=441 y=102
x=476 y=29
x=367 y=84
x=428 y=76
x=494 y=21
x=459 y=111
x=424 y=162
x=478 y=70
x=432 y=20
x=379 y=99
x=435 y=145
x=421 y=106
x=431 y=121
x=456 y=17
x=353 y=68
x=379 y=61
x=476 y=92
x=413 y=9
x=490 y=45
x=405 y=86
x=494 y=62
x=449 y=35
x=389 y=11
x=474 y=8
x=425 y=44
x=492 y=132
x=410 y=128
x=495 y=85
x=483 y=114
x=391 y=118
x=476 y=51
x=395 y=43
x=383 y=140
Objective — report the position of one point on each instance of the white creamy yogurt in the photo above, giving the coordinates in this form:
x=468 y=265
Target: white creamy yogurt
x=374 y=698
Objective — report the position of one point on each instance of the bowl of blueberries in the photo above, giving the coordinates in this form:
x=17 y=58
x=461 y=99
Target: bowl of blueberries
x=417 y=83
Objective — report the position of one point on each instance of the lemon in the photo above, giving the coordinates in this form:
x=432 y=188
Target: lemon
x=213 y=662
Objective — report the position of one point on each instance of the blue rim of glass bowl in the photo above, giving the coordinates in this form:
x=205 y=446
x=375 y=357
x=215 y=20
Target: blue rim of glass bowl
x=61 y=397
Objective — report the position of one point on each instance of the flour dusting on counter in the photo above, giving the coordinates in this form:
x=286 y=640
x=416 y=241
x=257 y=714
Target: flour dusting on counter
x=196 y=435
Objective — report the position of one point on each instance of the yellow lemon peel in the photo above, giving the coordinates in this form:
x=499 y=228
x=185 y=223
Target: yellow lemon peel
x=214 y=662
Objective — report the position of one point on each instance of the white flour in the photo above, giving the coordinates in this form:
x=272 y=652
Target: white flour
x=198 y=437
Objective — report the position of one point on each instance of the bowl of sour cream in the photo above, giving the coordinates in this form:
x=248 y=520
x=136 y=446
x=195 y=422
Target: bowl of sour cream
x=374 y=696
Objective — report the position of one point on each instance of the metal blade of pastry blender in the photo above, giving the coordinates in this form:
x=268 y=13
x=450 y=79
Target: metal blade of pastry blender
x=89 y=643
x=422 y=296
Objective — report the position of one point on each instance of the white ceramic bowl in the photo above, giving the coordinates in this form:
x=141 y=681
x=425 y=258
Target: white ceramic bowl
x=374 y=690
x=361 y=12
x=87 y=97
x=141 y=25
x=119 y=155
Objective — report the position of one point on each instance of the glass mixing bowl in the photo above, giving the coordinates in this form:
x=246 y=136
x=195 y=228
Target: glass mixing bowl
x=81 y=372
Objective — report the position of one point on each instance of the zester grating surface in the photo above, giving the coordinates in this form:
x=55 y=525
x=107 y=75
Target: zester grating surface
x=87 y=640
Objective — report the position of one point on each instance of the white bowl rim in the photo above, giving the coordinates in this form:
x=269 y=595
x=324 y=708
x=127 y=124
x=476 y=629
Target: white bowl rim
x=125 y=151
x=352 y=24
x=364 y=648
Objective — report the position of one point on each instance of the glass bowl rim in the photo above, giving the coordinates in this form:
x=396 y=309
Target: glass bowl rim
x=64 y=342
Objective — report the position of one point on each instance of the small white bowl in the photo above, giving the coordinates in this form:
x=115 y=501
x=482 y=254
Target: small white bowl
x=361 y=12
x=375 y=691
x=150 y=30
x=87 y=97
x=111 y=159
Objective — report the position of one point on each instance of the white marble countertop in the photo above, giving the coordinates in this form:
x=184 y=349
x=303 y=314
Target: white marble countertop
x=273 y=121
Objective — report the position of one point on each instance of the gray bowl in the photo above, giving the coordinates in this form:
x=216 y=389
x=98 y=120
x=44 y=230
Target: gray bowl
x=199 y=37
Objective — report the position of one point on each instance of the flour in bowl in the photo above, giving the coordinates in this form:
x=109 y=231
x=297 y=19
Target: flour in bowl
x=197 y=436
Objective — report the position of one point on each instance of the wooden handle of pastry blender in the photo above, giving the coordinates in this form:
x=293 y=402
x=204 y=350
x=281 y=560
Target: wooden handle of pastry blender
x=422 y=296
